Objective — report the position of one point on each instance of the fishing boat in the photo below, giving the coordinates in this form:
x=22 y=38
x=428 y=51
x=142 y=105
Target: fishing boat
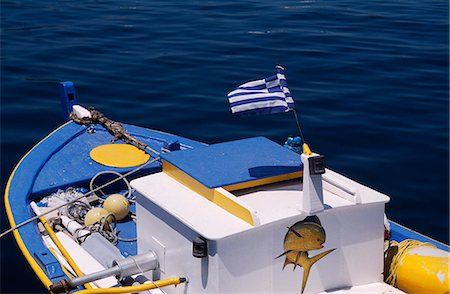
x=103 y=207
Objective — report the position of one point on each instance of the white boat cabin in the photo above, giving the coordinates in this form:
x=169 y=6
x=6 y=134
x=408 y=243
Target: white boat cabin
x=249 y=216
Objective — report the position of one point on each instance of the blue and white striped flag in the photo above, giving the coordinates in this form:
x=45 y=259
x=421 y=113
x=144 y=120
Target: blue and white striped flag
x=265 y=96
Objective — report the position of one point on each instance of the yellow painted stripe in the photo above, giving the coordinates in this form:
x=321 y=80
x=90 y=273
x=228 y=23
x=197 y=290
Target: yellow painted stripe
x=34 y=265
x=63 y=250
x=211 y=194
x=233 y=207
x=266 y=181
x=66 y=271
x=135 y=289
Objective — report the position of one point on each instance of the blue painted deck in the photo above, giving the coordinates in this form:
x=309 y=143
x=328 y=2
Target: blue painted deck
x=127 y=230
x=236 y=162
x=61 y=160
x=70 y=163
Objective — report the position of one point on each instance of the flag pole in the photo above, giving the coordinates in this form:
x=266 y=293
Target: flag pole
x=306 y=149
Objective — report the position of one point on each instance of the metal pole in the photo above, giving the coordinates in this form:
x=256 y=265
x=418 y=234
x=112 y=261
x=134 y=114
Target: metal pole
x=298 y=125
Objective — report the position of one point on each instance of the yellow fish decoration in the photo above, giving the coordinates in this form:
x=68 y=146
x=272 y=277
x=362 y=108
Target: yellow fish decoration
x=303 y=236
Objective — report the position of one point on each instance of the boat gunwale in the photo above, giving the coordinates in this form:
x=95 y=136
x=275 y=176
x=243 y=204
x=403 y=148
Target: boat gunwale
x=23 y=248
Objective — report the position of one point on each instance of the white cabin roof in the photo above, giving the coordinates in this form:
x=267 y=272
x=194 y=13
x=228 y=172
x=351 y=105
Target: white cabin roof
x=189 y=207
x=268 y=203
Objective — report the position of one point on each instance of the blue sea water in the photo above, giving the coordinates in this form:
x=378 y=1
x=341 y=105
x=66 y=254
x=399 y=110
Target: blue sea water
x=370 y=80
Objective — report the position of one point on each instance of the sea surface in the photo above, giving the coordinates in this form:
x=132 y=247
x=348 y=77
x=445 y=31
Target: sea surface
x=370 y=80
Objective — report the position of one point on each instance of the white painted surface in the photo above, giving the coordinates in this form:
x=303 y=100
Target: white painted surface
x=84 y=260
x=74 y=227
x=242 y=259
x=81 y=112
x=232 y=197
x=274 y=202
x=50 y=244
x=373 y=288
x=332 y=183
x=245 y=262
x=171 y=240
x=364 y=194
x=312 y=200
x=195 y=211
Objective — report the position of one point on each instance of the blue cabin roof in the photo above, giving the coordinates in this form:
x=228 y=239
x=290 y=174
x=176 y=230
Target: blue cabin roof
x=236 y=162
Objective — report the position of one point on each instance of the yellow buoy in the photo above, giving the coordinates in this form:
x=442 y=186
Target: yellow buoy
x=424 y=270
x=94 y=215
x=419 y=267
x=119 y=155
x=117 y=205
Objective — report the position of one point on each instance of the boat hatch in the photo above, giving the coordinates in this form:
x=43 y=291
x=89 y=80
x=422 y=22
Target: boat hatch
x=238 y=164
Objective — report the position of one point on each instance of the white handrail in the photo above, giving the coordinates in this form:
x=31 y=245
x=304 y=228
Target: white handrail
x=336 y=186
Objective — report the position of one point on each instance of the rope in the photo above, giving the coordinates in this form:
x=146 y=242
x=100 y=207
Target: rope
x=115 y=128
x=77 y=210
x=127 y=183
x=78 y=198
x=403 y=248
x=106 y=227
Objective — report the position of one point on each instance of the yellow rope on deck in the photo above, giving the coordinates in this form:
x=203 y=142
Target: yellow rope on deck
x=403 y=248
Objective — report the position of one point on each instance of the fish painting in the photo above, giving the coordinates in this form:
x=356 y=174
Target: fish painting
x=300 y=238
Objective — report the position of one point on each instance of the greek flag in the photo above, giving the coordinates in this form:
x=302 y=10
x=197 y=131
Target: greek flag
x=265 y=96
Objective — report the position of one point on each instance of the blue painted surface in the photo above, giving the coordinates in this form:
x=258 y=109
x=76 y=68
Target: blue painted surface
x=236 y=162
x=72 y=163
x=400 y=233
x=20 y=189
x=68 y=97
x=127 y=230
x=60 y=160
x=51 y=266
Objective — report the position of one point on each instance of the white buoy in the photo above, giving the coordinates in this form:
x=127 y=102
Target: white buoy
x=94 y=215
x=117 y=205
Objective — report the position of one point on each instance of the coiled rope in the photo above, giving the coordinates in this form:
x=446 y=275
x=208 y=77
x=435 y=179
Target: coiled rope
x=79 y=197
x=402 y=249
x=77 y=210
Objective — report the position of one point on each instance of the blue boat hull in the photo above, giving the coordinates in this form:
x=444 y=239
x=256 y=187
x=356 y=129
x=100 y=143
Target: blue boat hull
x=62 y=160
x=58 y=161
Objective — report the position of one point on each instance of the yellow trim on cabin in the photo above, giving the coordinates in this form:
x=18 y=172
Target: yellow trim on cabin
x=212 y=195
x=233 y=207
x=34 y=265
x=266 y=181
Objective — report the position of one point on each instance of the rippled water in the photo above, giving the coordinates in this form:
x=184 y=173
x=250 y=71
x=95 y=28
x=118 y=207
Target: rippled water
x=370 y=79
